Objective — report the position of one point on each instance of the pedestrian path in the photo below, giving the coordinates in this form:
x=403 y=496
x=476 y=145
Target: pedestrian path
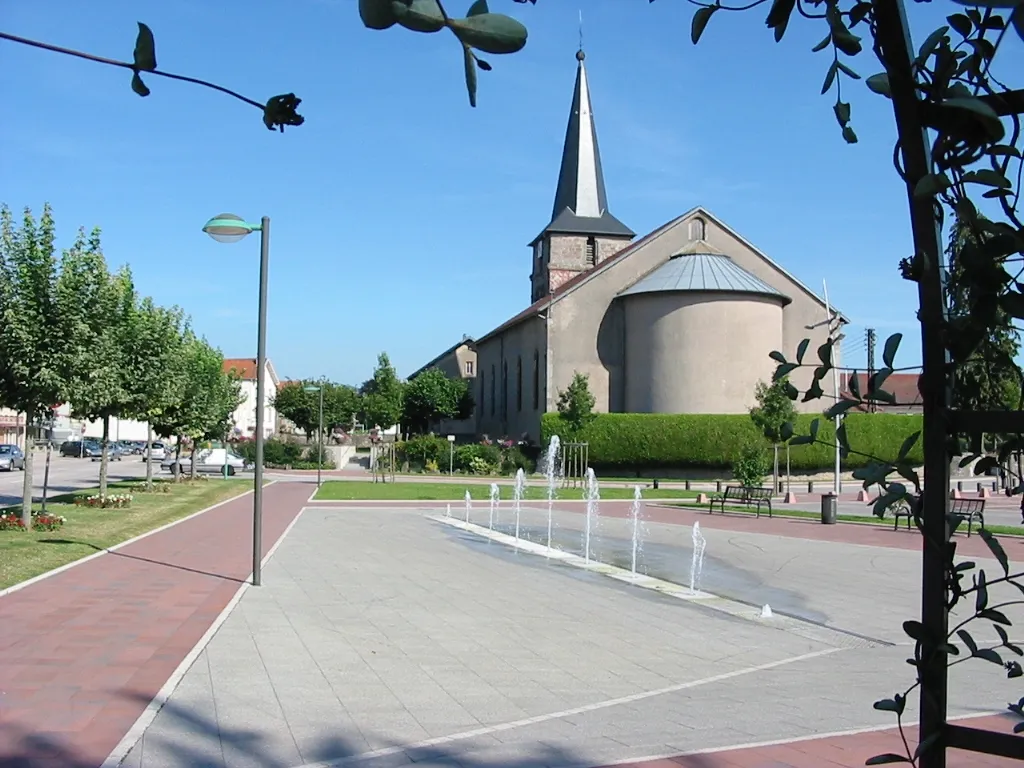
x=847 y=751
x=87 y=649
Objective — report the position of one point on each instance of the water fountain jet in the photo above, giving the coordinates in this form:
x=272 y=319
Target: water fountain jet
x=517 y=495
x=495 y=495
x=551 y=472
x=469 y=504
x=592 y=494
x=635 y=517
x=697 y=560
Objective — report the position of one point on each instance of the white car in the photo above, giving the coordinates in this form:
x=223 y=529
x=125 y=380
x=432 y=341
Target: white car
x=208 y=460
x=160 y=451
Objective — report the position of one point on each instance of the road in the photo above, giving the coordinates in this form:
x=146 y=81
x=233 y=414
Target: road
x=67 y=474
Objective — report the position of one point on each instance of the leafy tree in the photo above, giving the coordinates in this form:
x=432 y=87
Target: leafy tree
x=773 y=410
x=576 y=405
x=433 y=396
x=98 y=307
x=383 y=395
x=989 y=377
x=31 y=346
x=302 y=408
x=342 y=402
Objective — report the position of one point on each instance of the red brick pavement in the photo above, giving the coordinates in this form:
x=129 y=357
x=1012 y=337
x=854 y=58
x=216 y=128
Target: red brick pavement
x=834 y=752
x=86 y=650
x=792 y=527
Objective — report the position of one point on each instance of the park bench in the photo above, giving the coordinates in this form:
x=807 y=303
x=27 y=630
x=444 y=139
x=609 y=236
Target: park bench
x=969 y=509
x=743 y=494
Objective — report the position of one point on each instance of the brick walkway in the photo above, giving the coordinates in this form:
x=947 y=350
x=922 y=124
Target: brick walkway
x=85 y=651
x=835 y=752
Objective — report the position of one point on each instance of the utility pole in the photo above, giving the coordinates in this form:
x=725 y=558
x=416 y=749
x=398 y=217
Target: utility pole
x=871 y=364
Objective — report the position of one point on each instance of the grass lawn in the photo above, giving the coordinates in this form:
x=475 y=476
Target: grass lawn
x=347 y=490
x=24 y=554
x=998 y=530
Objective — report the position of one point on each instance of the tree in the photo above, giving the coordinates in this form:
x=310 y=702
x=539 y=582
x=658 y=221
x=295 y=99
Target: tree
x=989 y=377
x=774 y=409
x=341 y=404
x=576 y=405
x=430 y=397
x=31 y=346
x=382 y=395
x=302 y=408
x=97 y=308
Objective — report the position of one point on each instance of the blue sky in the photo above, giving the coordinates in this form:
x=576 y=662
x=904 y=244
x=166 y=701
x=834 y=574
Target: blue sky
x=400 y=215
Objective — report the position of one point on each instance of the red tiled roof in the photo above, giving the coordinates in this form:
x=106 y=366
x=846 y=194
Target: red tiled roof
x=243 y=367
x=902 y=386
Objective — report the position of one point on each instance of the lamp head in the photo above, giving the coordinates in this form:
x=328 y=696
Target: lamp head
x=311 y=389
x=227 y=228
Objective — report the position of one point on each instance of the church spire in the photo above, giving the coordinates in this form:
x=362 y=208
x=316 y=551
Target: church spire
x=581 y=203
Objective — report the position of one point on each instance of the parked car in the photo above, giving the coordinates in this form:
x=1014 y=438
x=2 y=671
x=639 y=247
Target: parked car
x=208 y=460
x=11 y=458
x=80 y=448
x=160 y=450
x=132 y=447
x=114 y=452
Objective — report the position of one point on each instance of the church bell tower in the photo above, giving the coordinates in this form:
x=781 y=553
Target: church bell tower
x=582 y=232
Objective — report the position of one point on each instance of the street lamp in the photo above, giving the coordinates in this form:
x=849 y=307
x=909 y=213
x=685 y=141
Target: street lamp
x=320 y=432
x=451 y=455
x=228 y=228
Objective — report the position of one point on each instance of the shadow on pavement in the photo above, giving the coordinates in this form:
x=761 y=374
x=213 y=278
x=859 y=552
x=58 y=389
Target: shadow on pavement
x=118 y=553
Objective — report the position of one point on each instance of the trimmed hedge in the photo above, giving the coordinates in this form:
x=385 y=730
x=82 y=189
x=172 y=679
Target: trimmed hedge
x=650 y=440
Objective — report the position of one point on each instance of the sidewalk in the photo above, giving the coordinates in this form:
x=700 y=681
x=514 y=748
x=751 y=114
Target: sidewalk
x=88 y=648
x=849 y=751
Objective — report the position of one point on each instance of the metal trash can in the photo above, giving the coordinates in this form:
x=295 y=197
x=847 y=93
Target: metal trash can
x=828 y=509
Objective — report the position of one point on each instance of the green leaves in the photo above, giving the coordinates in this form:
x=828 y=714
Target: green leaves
x=879 y=84
x=469 y=65
x=996 y=549
x=701 y=17
x=280 y=111
x=419 y=15
x=377 y=14
x=491 y=32
x=892 y=345
x=144 y=58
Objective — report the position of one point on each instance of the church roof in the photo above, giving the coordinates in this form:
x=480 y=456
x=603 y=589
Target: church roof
x=581 y=203
x=704 y=272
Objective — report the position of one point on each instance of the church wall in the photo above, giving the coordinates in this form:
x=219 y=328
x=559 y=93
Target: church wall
x=698 y=352
x=514 y=347
x=804 y=311
x=568 y=255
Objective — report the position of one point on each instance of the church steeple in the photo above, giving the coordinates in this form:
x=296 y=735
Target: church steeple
x=580 y=212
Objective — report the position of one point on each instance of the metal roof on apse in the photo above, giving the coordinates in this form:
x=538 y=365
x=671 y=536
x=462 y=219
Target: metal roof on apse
x=702 y=272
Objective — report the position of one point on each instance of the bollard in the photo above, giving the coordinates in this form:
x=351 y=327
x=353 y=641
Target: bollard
x=687 y=485
x=828 y=509
x=995 y=486
x=655 y=483
x=718 y=486
x=810 y=487
x=960 y=485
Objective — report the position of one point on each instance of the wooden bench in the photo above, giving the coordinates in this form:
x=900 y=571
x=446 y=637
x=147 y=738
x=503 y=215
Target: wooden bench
x=969 y=509
x=743 y=494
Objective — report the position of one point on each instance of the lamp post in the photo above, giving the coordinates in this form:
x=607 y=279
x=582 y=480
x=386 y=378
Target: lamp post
x=320 y=432
x=228 y=228
x=451 y=455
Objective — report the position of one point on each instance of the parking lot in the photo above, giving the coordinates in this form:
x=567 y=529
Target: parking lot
x=67 y=474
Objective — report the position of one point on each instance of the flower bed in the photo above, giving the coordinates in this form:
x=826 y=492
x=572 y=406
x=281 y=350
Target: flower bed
x=10 y=521
x=110 y=501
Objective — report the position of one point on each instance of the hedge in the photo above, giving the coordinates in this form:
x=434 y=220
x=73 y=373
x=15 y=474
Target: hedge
x=650 y=440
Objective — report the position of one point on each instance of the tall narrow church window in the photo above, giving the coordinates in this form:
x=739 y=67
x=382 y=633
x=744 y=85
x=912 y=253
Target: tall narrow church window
x=591 y=251
x=492 y=389
x=504 y=389
x=697 y=229
x=519 y=383
x=536 y=380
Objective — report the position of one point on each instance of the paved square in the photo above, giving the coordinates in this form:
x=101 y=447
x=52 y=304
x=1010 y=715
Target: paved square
x=382 y=638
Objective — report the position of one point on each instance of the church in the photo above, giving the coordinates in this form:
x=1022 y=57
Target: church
x=681 y=320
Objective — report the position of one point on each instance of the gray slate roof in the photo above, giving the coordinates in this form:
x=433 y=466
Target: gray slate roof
x=709 y=272
x=581 y=202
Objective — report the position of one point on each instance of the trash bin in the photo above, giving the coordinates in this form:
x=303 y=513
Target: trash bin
x=828 y=509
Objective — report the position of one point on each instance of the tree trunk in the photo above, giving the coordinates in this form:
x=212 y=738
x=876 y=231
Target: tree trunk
x=149 y=456
x=104 y=453
x=192 y=462
x=26 y=488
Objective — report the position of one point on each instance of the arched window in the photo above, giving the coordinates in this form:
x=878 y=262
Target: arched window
x=492 y=388
x=519 y=383
x=536 y=380
x=697 y=229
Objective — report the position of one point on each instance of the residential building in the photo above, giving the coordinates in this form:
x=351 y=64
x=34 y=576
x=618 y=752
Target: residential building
x=244 y=417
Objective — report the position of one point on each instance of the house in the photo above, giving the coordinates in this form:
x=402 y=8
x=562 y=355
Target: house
x=244 y=417
x=902 y=386
x=456 y=362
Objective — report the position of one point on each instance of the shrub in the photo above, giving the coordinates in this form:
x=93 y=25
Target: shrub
x=419 y=451
x=11 y=521
x=312 y=459
x=752 y=465
x=478 y=458
x=626 y=441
